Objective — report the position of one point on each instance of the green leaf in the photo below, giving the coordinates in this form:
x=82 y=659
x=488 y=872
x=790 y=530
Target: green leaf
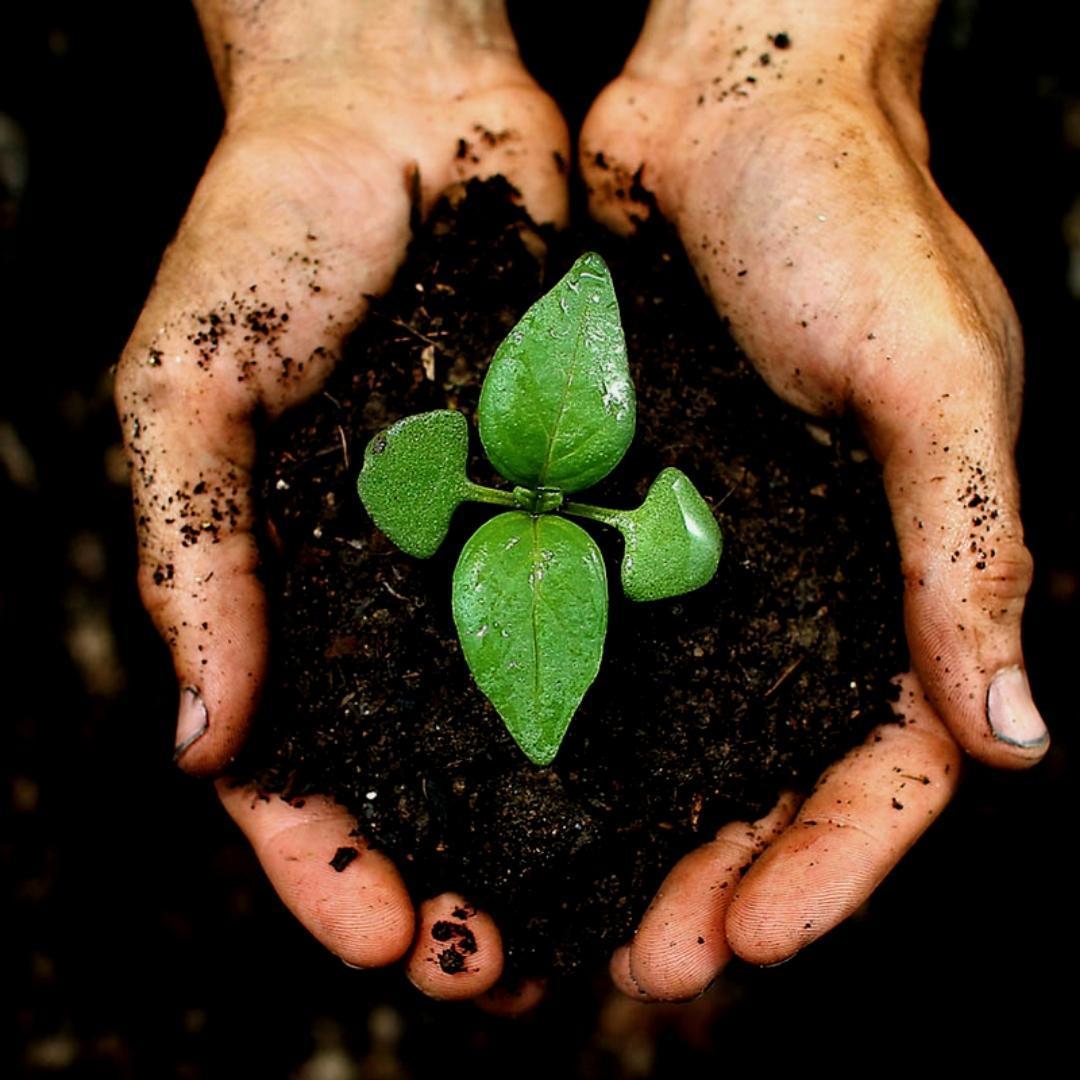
x=414 y=478
x=557 y=408
x=530 y=604
x=672 y=541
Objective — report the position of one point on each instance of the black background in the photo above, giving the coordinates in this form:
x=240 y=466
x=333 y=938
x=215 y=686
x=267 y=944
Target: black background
x=140 y=939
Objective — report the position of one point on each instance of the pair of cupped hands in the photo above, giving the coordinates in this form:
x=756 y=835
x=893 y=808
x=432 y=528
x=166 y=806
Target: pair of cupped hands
x=795 y=170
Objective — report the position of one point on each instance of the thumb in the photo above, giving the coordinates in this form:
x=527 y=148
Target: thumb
x=248 y=308
x=946 y=444
x=197 y=558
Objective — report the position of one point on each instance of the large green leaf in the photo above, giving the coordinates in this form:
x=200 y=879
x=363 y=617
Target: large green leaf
x=530 y=604
x=672 y=541
x=557 y=408
x=414 y=478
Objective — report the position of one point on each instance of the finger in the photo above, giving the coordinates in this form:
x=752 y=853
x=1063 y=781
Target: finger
x=458 y=950
x=514 y=999
x=680 y=946
x=619 y=969
x=952 y=487
x=349 y=896
x=197 y=563
x=249 y=308
x=864 y=814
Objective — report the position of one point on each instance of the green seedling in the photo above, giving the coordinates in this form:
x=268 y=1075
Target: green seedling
x=530 y=595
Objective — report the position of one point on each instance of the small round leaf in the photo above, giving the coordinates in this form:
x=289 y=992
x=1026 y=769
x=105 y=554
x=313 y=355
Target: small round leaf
x=414 y=478
x=672 y=541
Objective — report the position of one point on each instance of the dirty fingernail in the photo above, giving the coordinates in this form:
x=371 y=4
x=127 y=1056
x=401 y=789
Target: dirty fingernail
x=192 y=722
x=1011 y=712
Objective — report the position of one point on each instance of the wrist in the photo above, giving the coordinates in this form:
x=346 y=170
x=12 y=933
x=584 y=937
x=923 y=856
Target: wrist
x=297 y=53
x=827 y=47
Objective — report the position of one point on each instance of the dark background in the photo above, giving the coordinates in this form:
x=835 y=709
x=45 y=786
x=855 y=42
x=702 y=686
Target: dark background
x=139 y=938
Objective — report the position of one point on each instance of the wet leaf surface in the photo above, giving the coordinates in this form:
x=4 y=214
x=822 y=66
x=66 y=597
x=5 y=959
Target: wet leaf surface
x=672 y=541
x=530 y=604
x=557 y=407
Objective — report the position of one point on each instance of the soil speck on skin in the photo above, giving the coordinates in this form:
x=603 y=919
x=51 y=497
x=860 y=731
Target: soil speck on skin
x=343 y=857
x=452 y=958
x=706 y=706
x=445 y=930
x=451 y=961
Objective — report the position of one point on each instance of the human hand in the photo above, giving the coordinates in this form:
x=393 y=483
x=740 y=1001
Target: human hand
x=789 y=151
x=336 y=113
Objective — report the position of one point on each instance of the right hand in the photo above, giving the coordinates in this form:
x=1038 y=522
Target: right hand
x=795 y=167
x=303 y=210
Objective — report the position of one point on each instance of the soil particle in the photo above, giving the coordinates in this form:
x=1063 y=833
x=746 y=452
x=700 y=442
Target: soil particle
x=343 y=857
x=452 y=959
x=706 y=706
x=445 y=931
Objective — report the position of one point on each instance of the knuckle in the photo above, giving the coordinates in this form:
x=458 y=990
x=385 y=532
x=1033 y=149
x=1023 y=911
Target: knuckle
x=157 y=594
x=1001 y=581
x=143 y=380
x=916 y=567
x=943 y=753
x=746 y=842
x=924 y=749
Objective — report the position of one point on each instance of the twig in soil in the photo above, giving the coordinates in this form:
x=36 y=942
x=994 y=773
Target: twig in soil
x=724 y=498
x=407 y=328
x=731 y=490
x=344 y=444
x=356 y=545
x=782 y=677
x=393 y=592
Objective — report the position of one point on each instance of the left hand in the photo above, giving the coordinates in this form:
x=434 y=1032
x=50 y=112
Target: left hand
x=338 y=114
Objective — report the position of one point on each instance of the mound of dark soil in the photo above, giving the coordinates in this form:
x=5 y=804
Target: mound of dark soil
x=706 y=705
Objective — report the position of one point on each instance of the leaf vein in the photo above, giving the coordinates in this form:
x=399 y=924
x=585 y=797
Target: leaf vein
x=565 y=402
x=535 y=591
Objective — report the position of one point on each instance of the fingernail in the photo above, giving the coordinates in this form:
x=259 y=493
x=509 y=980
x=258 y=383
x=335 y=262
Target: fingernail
x=192 y=722
x=355 y=967
x=1010 y=711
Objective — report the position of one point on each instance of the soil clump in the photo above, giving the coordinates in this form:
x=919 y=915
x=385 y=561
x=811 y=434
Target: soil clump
x=706 y=705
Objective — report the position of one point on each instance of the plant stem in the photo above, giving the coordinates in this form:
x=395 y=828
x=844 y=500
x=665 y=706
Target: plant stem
x=614 y=518
x=479 y=493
